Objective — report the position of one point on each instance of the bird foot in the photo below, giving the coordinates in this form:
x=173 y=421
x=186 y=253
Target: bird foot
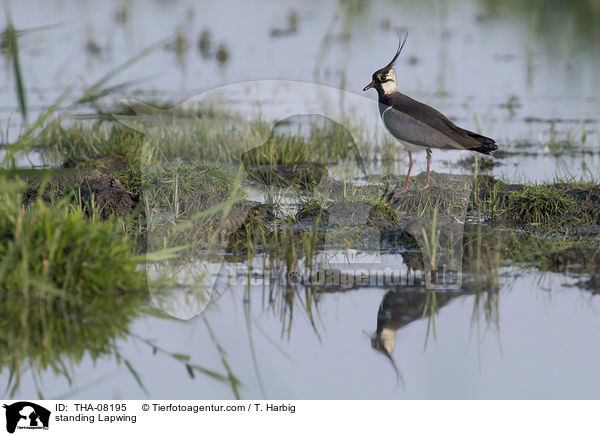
x=424 y=187
x=398 y=193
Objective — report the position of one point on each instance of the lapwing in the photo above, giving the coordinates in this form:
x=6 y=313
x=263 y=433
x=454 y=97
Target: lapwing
x=418 y=126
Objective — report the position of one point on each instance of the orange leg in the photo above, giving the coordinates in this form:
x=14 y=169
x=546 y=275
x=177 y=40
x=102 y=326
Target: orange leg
x=410 y=165
x=428 y=168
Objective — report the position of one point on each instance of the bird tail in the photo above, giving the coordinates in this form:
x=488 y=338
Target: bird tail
x=485 y=145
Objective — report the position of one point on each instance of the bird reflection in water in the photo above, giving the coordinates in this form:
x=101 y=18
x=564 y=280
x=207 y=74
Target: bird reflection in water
x=400 y=307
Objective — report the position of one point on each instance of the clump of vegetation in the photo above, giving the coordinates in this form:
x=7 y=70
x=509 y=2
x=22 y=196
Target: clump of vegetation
x=82 y=144
x=539 y=204
x=56 y=249
x=69 y=285
x=180 y=188
x=560 y=205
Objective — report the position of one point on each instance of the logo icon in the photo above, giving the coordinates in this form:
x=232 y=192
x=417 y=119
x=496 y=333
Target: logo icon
x=26 y=415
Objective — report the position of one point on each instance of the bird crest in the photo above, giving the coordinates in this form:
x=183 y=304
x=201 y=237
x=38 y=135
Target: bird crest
x=401 y=42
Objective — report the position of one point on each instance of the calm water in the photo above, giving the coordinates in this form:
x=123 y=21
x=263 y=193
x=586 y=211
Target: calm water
x=543 y=348
x=526 y=77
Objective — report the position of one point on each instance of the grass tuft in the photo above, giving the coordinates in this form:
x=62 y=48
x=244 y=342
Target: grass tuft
x=540 y=204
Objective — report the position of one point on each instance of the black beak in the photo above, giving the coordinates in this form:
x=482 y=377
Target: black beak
x=369 y=86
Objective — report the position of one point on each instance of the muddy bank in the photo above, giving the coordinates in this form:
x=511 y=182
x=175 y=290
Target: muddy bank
x=573 y=208
x=446 y=213
x=405 y=225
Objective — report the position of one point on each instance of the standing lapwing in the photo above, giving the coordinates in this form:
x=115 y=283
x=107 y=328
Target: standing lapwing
x=418 y=126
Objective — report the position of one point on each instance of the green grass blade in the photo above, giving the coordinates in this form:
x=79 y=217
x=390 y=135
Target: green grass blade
x=137 y=377
x=13 y=44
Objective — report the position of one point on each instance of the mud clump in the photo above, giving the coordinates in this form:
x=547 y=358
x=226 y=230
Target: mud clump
x=246 y=224
x=485 y=163
x=108 y=195
x=442 y=198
